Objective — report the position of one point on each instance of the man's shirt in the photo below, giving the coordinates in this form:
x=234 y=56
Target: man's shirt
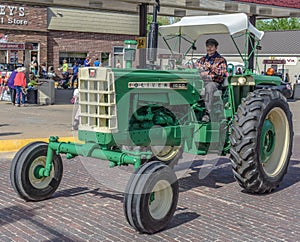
x=218 y=67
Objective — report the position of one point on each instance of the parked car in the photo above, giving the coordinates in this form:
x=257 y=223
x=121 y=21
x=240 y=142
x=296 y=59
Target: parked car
x=297 y=78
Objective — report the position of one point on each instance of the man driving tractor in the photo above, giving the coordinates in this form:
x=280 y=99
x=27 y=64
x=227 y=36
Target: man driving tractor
x=213 y=70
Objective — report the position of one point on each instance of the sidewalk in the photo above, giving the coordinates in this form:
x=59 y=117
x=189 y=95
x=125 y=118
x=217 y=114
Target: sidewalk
x=22 y=125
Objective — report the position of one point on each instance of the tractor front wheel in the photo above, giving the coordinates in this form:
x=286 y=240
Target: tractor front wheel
x=151 y=197
x=25 y=176
x=261 y=141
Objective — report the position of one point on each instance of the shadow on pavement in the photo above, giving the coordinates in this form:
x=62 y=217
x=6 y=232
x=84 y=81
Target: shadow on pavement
x=10 y=133
x=13 y=214
x=291 y=177
x=221 y=173
x=84 y=190
x=215 y=175
x=182 y=218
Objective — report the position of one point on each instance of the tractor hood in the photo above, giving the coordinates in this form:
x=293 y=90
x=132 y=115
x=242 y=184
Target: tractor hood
x=195 y=26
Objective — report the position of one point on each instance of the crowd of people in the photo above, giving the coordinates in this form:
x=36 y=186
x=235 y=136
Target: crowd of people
x=18 y=82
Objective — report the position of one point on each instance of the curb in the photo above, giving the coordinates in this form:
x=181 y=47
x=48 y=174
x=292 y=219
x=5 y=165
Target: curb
x=14 y=145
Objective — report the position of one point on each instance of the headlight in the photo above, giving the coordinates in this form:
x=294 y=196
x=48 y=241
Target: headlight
x=242 y=80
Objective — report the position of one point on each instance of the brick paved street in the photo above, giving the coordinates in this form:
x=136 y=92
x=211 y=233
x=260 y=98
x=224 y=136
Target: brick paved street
x=209 y=210
x=87 y=207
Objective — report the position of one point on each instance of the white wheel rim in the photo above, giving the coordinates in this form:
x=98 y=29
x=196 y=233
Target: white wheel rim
x=162 y=202
x=274 y=164
x=39 y=183
x=165 y=153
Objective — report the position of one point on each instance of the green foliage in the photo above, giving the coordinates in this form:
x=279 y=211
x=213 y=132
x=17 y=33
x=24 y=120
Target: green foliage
x=162 y=20
x=278 y=24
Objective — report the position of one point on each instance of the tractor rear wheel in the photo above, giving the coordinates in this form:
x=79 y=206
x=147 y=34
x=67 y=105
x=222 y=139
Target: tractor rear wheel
x=261 y=141
x=151 y=197
x=24 y=173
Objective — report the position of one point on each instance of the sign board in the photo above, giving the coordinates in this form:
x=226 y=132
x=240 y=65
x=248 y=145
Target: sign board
x=290 y=61
x=12 y=46
x=141 y=42
x=274 y=62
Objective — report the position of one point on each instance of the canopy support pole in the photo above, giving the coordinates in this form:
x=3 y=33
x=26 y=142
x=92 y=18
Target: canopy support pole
x=252 y=20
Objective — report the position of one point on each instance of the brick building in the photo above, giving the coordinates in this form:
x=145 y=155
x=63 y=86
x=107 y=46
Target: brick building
x=53 y=30
x=54 y=33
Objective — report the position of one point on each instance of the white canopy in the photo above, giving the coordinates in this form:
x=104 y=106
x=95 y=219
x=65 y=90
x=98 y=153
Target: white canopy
x=195 y=26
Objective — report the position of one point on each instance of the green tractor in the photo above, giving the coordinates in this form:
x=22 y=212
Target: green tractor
x=149 y=118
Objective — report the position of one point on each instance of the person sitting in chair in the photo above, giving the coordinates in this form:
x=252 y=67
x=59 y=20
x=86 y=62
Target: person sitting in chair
x=213 y=70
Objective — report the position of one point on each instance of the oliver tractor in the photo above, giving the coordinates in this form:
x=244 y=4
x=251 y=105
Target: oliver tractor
x=148 y=118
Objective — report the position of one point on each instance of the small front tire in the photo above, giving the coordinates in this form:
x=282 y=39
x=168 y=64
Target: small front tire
x=24 y=169
x=151 y=197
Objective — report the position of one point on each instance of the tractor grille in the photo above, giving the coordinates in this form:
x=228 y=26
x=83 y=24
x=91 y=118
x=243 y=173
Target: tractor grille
x=97 y=100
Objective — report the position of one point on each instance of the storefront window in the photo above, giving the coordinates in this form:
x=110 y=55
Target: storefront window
x=71 y=57
x=105 y=58
x=118 y=56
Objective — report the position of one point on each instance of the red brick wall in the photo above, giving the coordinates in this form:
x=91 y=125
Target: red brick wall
x=279 y=3
x=52 y=42
x=91 y=43
x=25 y=24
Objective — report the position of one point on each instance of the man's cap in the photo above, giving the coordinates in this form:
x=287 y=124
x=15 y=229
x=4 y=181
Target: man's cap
x=211 y=42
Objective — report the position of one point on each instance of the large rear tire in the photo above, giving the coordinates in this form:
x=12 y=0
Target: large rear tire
x=261 y=141
x=151 y=197
x=24 y=170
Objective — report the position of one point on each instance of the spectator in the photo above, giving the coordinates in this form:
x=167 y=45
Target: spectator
x=44 y=70
x=34 y=66
x=11 y=86
x=287 y=77
x=20 y=85
x=65 y=66
x=118 y=65
x=87 y=62
x=239 y=71
x=75 y=74
x=97 y=63
x=75 y=98
x=33 y=82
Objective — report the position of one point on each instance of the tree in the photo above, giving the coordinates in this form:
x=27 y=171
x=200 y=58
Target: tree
x=278 y=24
x=161 y=20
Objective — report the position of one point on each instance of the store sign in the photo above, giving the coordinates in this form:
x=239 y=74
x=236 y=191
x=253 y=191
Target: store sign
x=12 y=15
x=289 y=61
x=274 y=62
x=12 y=46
